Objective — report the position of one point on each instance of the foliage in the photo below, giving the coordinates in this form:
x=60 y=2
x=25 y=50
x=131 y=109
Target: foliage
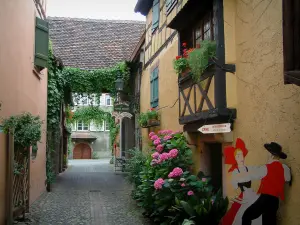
x=97 y=115
x=90 y=114
x=149 y=115
x=134 y=165
x=199 y=58
x=27 y=130
x=97 y=80
x=95 y=156
x=113 y=132
x=143 y=119
x=50 y=174
x=58 y=91
x=168 y=192
x=180 y=64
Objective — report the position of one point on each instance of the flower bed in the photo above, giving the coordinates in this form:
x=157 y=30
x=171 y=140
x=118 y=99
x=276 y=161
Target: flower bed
x=166 y=189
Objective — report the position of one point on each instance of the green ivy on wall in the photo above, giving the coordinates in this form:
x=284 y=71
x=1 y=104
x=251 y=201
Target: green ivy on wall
x=97 y=81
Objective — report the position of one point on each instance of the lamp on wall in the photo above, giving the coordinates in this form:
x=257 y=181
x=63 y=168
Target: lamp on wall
x=119 y=82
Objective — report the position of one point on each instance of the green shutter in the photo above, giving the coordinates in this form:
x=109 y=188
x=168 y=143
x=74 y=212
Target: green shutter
x=154 y=88
x=41 y=43
x=155 y=14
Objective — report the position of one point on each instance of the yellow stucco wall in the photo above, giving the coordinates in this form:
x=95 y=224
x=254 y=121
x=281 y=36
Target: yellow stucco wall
x=267 y=110
x=20 y=89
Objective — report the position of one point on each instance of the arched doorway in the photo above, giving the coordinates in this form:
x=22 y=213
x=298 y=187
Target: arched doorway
x=82 y=151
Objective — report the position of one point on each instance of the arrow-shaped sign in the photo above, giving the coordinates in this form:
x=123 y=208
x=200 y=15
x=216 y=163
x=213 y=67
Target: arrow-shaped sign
x=215 y=128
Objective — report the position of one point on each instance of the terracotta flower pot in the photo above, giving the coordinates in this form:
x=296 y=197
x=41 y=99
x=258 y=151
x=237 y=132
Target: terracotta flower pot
x=185 y=72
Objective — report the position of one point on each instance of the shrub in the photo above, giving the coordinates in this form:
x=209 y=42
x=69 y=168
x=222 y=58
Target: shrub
x=135 y=165
x=166 y=189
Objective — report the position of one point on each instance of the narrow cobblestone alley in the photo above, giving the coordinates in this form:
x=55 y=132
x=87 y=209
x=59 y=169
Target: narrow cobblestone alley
x=89 y=192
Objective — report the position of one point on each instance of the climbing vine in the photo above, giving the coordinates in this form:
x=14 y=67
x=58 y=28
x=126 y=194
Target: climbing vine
x=97 y=81
x=96 y=115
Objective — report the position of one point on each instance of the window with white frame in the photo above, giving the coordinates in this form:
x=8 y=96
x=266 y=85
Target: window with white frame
x=106 y=126
x=84 y=100
x=81 y=126
x=108 y=100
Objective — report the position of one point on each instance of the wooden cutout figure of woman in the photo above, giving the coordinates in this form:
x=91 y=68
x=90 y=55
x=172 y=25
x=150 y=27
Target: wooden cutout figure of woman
x=235 y=156
x=273 y=176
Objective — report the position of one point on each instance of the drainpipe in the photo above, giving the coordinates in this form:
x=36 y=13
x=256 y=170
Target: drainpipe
x=220 y=75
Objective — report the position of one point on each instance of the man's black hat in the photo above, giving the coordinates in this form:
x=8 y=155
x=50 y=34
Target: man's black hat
x=275 y=149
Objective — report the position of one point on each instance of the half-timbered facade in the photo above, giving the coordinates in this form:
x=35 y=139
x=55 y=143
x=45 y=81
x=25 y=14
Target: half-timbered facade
x=251 y=83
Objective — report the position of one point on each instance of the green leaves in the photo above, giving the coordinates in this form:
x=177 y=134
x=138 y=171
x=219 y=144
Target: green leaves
x=198 y=59
x=27 y=129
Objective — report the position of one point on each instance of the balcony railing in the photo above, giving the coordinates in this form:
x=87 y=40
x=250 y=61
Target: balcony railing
x=197 y=99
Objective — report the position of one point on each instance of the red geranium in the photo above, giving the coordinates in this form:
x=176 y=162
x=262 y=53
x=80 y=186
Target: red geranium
x=178 y=57
x=184 y=44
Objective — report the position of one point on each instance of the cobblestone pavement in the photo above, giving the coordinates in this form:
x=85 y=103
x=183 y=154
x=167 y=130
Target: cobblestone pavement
x=88 y=193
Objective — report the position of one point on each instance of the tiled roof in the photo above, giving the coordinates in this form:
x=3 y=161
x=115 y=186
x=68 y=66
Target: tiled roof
x=90 y=44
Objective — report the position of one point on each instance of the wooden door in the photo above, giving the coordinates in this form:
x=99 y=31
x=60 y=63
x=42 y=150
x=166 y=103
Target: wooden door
x=82 y=151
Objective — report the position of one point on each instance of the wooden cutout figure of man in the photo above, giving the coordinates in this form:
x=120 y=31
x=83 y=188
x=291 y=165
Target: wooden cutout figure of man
x=273 y=176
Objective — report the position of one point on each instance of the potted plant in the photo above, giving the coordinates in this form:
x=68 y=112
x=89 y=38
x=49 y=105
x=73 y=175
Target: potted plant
x=143 y=119
x=200 y=59
x=152 y=116
x=181 y=63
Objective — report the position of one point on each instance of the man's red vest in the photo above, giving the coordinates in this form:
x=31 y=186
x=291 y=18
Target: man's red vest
x=273 y=182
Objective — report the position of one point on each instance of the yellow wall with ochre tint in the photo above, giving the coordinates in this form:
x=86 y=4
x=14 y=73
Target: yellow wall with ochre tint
x=267 y=110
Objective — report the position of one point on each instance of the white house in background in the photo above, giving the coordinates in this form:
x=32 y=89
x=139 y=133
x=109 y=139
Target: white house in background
x=89 y=140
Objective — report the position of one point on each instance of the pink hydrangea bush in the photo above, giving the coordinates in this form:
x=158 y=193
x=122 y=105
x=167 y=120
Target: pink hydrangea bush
x=167 y=176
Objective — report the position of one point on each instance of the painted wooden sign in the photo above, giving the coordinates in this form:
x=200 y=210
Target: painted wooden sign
x=215 y=128
x=252 y=207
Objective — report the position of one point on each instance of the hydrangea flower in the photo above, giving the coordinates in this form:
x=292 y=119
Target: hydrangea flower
x=151 y=134
x=168 y=137
x=154 y=137
x=159 y=148
x=177 y=172
x=156 y=142
x=159 y=183
x=173 y=153
x=190 y=193
x=155 y=155
x=164 y=156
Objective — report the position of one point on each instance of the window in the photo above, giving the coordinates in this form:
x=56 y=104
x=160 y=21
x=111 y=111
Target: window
x=155 y=15
x=291 y=41
x=84 y=100
x=202 y=29
x=108 y=101
x=170 y=5
x=106 y=126
x=154 y=88
x=41 y=44
x=81 y=126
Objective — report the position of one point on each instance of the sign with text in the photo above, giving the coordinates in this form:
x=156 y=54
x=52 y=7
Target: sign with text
x=215 y=128
x=121 y=107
